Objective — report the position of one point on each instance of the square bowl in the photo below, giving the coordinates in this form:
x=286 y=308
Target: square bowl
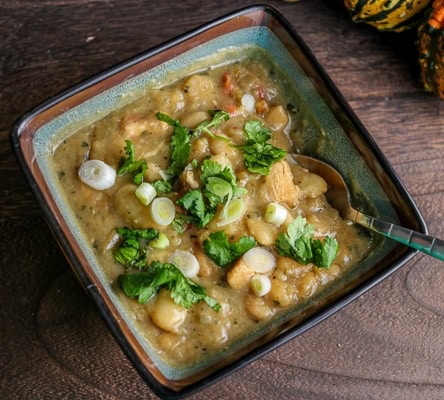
x=327 y=129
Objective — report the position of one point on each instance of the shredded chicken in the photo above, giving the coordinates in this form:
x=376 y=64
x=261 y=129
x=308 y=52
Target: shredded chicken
x=280 y=186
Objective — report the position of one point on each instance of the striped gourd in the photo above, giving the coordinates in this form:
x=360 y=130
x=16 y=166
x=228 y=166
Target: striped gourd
x=385 y=15
x=431 y=50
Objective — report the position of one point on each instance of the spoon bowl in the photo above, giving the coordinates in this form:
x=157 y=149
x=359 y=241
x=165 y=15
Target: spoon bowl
x=338 y=196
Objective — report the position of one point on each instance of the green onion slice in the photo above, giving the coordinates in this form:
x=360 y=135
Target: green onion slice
x=260 y=285
x=186 y=262
x=162 y=242
x=163 y=211
x=231 y=212
x=260 y=260
x=248 y=102
x=219 y=187
x=222 y=189
x=275 y=214
x=146 y=193
x=97 y=174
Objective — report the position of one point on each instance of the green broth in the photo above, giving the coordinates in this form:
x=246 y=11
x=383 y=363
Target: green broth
x=202 y=332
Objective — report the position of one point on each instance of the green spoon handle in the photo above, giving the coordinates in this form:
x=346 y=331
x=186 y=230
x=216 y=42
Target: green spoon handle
x=419 y=241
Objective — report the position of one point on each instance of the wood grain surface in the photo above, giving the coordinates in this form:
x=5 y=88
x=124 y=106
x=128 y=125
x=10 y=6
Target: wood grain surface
x=388 y=344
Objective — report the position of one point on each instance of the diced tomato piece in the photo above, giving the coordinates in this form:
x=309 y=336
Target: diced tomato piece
x=227 y=83
x=231 y=109
x=262 y=107
x=261 y=92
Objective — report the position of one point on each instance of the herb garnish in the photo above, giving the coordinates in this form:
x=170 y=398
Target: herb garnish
x=132 y=254
x=222 y=252
x=259 y=155
x=179 y=224
x=220 y=183
x=218 y=117
x=180 y=145
x=133 y=250
x=200 y=213
x=145 y=285
x=298 y=243
x=162 y=186
x=219 y=188
x=129 y=164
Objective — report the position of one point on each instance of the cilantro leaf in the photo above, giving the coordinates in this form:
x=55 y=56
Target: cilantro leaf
x=298 y=243
x=212 y=168
x=222 y=252
x=257 y=132
x=129 y=164
x=138 y=286
x=145 y=285
x=133 y=250
x=180 y=145
x=325 y=252
x=179 y=224
x=199 y=213
x=220 y=183
x=218 y=118
x=162 y=186
x=259 y=155
x=219 y=188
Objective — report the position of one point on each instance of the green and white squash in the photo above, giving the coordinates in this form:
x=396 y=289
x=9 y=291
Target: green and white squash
x=387 y=15
x=431 y=50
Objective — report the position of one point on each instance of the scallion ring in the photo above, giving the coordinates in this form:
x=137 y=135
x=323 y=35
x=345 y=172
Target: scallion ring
x=162 y=242
x=248 y=102
x=259 y=259
x=97 y=174
x=275 y=214
x=219 y=187
x=186 y=262
x=260 y=285
x=234 y=210
x=146 y=193
x=162 y=211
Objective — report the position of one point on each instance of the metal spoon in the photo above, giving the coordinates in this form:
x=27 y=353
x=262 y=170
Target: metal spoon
x=339 y=197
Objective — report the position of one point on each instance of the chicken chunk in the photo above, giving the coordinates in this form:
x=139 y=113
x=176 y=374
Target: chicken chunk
x=189 y=178
x=239 y=275
x=135 y=125
x=207 y=267
x=280 y=186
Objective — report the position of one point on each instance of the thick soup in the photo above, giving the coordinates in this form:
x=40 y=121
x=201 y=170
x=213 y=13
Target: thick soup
x=203 y=223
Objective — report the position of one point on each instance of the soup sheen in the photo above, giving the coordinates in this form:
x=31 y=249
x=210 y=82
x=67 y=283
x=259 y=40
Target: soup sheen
x=248 y=90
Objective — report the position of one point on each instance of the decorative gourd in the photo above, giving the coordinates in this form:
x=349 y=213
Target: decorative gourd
x=387 y=15
x=431 y=50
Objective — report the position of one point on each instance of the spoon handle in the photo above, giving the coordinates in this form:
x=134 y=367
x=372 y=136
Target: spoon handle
x=419 y=241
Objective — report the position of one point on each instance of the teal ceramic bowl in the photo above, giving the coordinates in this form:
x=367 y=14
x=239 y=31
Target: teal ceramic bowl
x=330 y=131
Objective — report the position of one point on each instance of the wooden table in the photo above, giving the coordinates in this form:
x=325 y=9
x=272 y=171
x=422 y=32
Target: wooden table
x=389 y=344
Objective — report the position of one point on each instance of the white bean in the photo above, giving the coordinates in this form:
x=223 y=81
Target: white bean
x=313 y=185
x=166 y=314
x=192 y=120
x=130 y=207
x=262 y=231
x=257 y=307
x=277 y=118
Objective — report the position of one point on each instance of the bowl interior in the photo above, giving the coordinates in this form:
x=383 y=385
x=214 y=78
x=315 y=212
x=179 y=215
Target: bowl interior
x=328 y=130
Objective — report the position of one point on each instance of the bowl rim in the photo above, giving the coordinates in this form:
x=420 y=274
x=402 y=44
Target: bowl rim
x=157 y=387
